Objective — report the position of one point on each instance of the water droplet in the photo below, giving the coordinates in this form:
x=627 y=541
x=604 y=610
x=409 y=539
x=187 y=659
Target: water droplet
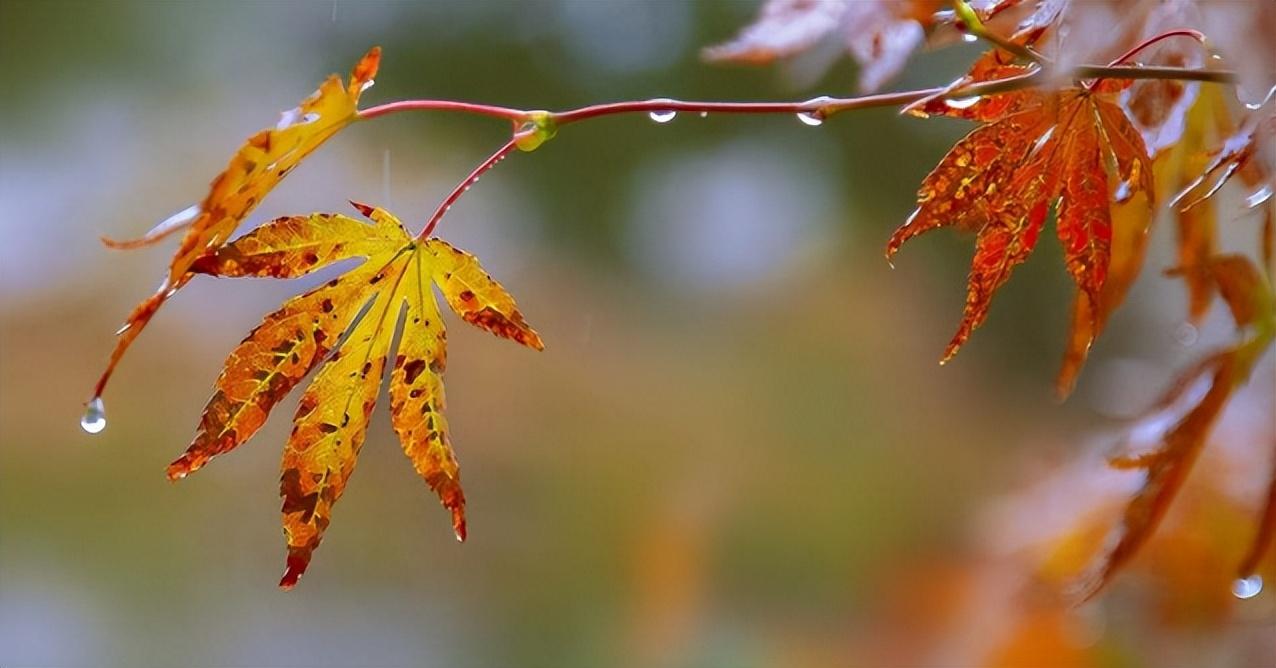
x=663 y=116
x=94 y=419
x=1123 y=192
x=1186 y=334
x=810 y=118
x=704 y=114
x=1216 y=56
x=969 y=38
x=1259 y=196
x=962 y=102
x=1249 y=587
x=180 y=218
x=367 y=84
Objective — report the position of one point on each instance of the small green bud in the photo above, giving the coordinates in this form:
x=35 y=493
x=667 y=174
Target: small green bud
x=539 y=128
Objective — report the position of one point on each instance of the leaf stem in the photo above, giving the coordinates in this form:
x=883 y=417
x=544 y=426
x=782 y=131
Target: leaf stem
x=515 y=115
x=970 y=21
x=1181 y=32
x=468 y=181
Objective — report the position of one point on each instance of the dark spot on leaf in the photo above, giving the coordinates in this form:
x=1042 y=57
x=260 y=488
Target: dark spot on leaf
x=413 y=369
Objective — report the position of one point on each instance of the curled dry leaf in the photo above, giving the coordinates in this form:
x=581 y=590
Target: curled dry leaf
x=259 y=165
x=1074 y=147
x=1186 y=415
x=880 y=34
x=1206 y=125
x=306 y=333
x=1237 y=156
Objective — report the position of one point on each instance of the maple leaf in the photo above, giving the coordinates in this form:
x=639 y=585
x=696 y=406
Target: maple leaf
x=1074 y=147
x=1242 y=153
x=306 y=332
x=255 y=169
x=1188 y=411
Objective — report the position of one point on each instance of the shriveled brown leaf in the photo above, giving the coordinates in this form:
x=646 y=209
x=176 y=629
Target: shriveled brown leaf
x=1189 y=418
x=259 y=165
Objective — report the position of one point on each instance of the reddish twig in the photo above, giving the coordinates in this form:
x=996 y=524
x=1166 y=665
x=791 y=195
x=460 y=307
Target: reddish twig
x=468 y=181
x=1181 y=32
x=514 y=115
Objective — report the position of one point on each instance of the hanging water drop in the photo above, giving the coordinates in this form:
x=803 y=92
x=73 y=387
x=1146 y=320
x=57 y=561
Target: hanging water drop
x=969 y=38
x=663 y=115
x=961 y=102
x=1249 y=587
x=704 y=114
x=94 y=419
x=810 y=118
x=1186 y=334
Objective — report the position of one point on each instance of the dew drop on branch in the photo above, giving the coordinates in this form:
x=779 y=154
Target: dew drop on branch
x=94 y=419
x=1249 y=587
x=810 y=118
x=969 y=38
x=663 y=115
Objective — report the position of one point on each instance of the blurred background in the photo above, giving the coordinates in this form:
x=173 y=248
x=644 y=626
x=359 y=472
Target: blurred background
x=736 y=450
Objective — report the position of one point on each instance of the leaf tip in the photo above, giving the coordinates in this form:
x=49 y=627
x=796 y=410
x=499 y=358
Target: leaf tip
x=458 y=524
x=953 y=346
x=293 y=570
x=364 y=209
x=181 y=467
x=364 y=70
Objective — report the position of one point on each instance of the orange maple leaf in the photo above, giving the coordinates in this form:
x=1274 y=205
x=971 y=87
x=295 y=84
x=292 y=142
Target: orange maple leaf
x=1074 y=147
